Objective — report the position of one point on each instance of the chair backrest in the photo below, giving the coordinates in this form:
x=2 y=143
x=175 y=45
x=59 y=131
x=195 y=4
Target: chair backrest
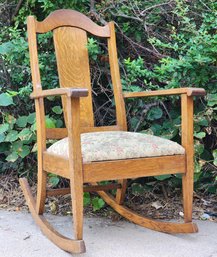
x=70 y=40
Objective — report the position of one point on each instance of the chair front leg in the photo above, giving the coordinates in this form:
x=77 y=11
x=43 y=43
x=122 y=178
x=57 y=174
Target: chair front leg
x=75 y=164
x=188 y=144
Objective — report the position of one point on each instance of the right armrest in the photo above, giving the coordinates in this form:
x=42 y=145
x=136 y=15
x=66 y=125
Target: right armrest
x=70 y=92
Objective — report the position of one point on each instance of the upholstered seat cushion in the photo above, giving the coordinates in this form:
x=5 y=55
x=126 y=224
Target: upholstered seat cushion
x=118 y=145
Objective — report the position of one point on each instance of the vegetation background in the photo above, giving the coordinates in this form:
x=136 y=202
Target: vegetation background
x=161 y=44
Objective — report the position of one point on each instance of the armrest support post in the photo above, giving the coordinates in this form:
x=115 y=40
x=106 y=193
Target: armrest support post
x=75 y=163
x=187 y=117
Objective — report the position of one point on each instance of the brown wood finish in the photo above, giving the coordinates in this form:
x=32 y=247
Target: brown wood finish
x=73 y=68
x=67 y=244
x=188 y=144
x=71 y=18
x=176 y=91
x=70 y=39
x=120 y=194
x=71 y=92
x=119 y=169
x=58 y=133
x=95 y=188
x=75 y=164
x=167 y=227
x=116 y=81
x=40 y=115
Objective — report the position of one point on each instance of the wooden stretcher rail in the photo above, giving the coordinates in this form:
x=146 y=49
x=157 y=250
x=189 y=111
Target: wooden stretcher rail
x=65 y=191
x=58 y=133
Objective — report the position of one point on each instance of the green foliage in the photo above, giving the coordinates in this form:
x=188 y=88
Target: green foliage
x=93 y=48
x=96 y=202
x=160 y=45
x=5 y=99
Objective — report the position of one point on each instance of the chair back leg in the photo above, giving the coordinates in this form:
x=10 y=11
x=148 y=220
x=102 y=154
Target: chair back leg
x=41 y=190
x=120 y=195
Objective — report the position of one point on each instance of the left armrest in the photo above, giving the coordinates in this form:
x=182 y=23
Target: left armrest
x=175 y=91
x=70 y=92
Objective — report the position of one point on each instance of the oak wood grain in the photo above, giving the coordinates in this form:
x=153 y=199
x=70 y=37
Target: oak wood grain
x=73 y=68
x=167 y=227
x=119 y=169
x=71 y=92
x=66 y=18
x=70 y=39
x=175 y=91
x=58 y=133
x=95 y=188
x=67 y=244
x=188 y=144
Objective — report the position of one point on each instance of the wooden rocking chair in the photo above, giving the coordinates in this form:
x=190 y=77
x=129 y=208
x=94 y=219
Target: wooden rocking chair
x=87 y=154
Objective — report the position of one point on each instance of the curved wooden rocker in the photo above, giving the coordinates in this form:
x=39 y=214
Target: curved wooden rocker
x=67 y=244
x=70 y=39
x=166 y=227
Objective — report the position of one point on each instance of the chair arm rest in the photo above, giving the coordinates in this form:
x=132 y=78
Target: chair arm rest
x=70 y=92
x=175 y=91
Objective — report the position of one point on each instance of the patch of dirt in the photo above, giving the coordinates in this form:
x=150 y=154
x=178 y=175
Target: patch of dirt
x=149 y=204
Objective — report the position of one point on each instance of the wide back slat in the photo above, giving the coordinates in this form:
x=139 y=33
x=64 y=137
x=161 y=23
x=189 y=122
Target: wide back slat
x=73 y=67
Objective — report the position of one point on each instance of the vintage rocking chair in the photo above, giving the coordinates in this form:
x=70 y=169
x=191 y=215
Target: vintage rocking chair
x=87 y=154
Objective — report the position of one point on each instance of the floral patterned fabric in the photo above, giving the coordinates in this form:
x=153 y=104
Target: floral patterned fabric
x=118 y=145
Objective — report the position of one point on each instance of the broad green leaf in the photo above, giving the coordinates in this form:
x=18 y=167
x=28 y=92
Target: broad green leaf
x=53 y=180
x=22 y=121
x=57 y=109
x=12 y=157
x=5 y=99
x=11 y=136
x=59 y=123
x=6 y=47
x=2 y=137
x=211 y=99
x=17 y=146
x=203 y=122
x=31 y=118
x=24 y=151
x=49 y=123
x=4 y=147
x=137 y=189
x=200 y=135
x=198 y=147
x=10 y=120
x=86 y=198
x=214 y=153
x=25 y=134
x=97 y=203
x=162 y=177
x=154 y=113
x=197 y=167
x=4 y=127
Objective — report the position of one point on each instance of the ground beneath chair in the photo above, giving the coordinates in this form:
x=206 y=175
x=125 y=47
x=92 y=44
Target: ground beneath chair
x=157 y=206
x=21 y=237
